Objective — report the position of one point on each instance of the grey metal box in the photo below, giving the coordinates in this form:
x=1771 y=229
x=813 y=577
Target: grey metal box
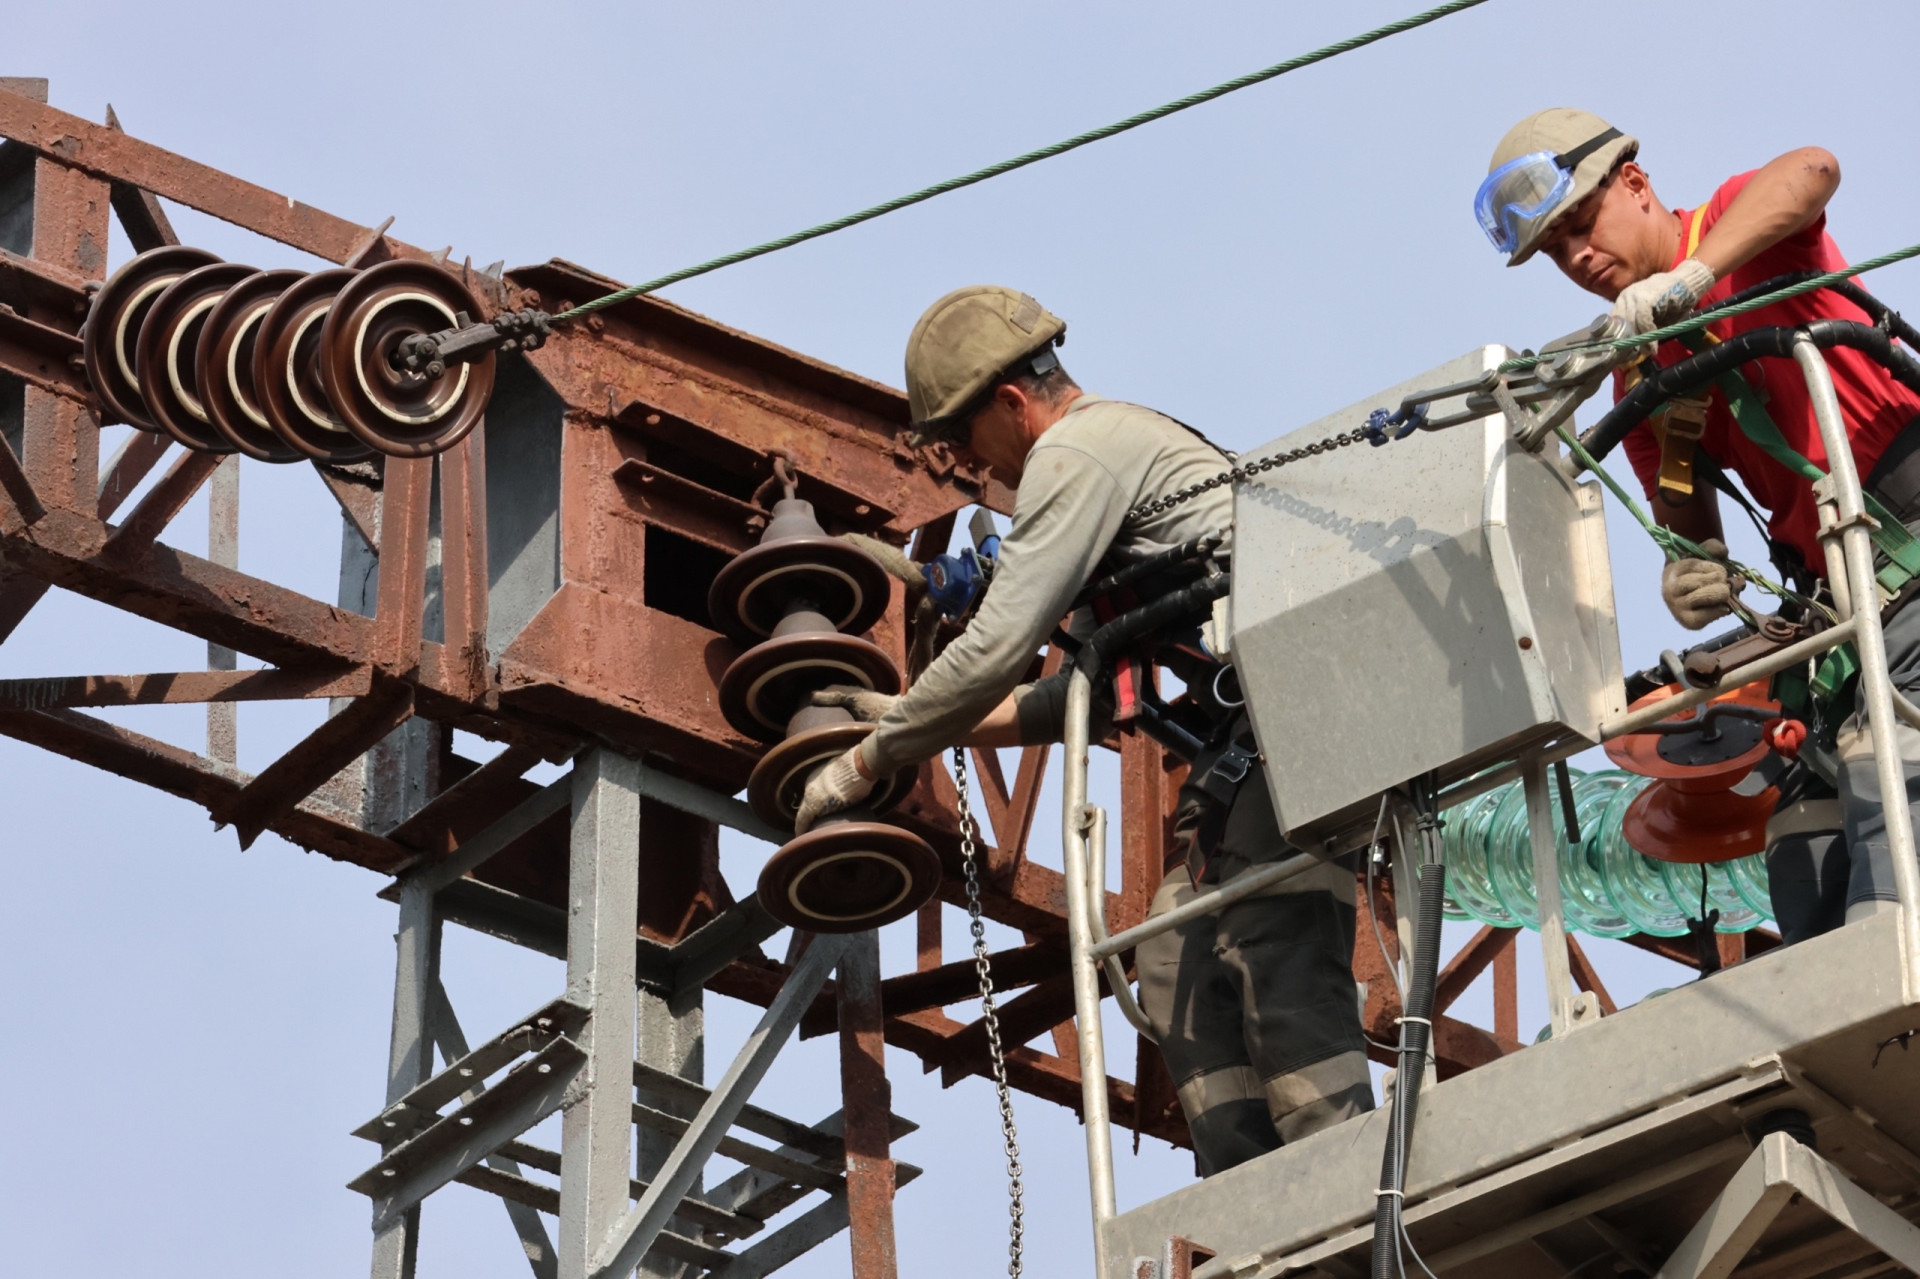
x=1440 y=603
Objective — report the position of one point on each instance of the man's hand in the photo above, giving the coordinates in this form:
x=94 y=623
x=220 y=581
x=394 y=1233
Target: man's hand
x=1663 y=298
x=839 y=785
x=863 y=704
x=1698 y=591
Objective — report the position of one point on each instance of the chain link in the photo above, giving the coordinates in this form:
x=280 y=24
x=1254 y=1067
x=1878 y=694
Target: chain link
x=1247 y=472
x=977 y=925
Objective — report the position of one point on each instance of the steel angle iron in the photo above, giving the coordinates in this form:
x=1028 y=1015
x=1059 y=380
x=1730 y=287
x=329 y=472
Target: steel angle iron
x=796 y=600
x=225 y=369
x=119 y=311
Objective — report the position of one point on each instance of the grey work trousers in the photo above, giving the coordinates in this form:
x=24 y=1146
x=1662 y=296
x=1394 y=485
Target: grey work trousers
x=1827 y=854
x=1255 y=1007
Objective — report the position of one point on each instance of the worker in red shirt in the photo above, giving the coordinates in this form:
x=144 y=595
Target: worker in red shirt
x=1564 y=182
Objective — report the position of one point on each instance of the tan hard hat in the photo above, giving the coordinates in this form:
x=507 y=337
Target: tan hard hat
x=1561 y=130
x=967 y=341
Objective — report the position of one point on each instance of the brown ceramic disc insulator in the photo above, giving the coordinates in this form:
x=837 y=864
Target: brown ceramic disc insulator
x=780 y=778
x=848 y=876
x=765 y=685
x=757 y=587
x=286 y=372
x=167 y=354
x=398 y=412
x=113 y=327
x=225 y=370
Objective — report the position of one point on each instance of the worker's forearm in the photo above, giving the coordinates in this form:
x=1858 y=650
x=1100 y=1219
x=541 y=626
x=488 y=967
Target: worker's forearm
x=1697 y=520
x=1001 y=727
x=1784 y=197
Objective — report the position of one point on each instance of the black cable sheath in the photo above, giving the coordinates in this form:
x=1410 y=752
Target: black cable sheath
x=1416 y=1034
x=1776 y=342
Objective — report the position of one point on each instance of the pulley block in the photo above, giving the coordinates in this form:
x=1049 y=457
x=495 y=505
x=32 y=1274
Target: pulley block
x=114 y=322
x=385 y=404
x=225 y=369
x=286 y=372
x=848 y=876
x=167 y=354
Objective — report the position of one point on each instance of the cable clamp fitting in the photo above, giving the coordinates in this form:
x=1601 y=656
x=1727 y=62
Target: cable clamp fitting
x=1401 y=1021
x=1395 y=1193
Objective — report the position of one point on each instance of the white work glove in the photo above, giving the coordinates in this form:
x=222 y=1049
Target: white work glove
x=863 y=704
x=1698 y=591
x=837 y=786
x=1663 y=298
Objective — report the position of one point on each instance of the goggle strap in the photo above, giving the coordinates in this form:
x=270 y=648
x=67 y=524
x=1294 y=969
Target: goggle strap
x=1571 y=159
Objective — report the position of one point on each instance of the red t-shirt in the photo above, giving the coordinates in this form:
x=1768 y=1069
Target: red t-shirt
x=1874 y=405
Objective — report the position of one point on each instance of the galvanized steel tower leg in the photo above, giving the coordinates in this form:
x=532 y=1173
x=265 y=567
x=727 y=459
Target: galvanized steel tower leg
x=867 y=1099
x=673 y=1039
x=410 y=1058
x=602 y=901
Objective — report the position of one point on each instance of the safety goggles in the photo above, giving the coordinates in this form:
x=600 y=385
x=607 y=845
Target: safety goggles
x=1525 y=190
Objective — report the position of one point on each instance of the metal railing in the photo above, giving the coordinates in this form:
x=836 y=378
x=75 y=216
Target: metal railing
x=1845 y=533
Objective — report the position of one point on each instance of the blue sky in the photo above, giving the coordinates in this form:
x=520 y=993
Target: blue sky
x=196 y=1029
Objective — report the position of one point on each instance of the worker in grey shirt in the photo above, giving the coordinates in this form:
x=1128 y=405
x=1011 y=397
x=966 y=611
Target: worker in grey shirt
x=1255 y=1008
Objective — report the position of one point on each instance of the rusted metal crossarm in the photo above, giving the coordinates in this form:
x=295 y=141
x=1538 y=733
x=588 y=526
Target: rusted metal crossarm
x=176 y=687
x=168 y=768
x=953 y=983
x=20 y=506
x=42 y=357
x=1466 y=966
x=46 y=292
x=1588 y=978
x=166 y=499
x=110 y=154
x=406 y=496
x=280 y=788
x=1021 y=1018
x=137 y=457
x=357 y=489
x=140 y=214
x=473 y=801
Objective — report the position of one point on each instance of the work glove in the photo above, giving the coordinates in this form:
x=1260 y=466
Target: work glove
x=863 y=704
x=1698 y=591
x=1661 y=299
x=837 y=786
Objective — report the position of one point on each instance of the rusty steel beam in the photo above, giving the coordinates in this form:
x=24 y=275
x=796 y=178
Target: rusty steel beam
x=1027 y=1014
x=471 y=802
x=290 y=779
x=405 y=510
x=175 y=687
x=132 y=464
x=152 y=513
x=1587 y=977
x=206 y=782
x=108 y=154
x=19 y=504
x=463 y=566
x=1466 y=966
x=52 y=295
x=867 y=1111
x=43 y=357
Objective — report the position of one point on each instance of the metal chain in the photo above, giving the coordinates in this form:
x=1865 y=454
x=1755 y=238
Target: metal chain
x=977 y=925
x=1247 y=472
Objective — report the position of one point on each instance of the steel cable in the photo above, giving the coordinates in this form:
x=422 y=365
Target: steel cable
x=1022 y=161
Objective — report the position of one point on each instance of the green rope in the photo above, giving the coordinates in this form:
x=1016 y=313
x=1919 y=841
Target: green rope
x=1672 y=544
x=1694 y=323
x=1031 y=157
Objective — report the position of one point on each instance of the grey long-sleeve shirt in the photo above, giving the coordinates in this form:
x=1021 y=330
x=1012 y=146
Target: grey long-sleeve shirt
x=1069 y=525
